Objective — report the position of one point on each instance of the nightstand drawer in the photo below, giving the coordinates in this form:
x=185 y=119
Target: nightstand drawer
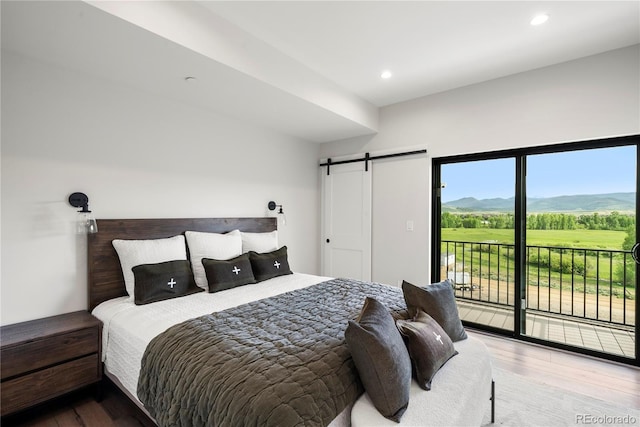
x=40 y=353
x=39 y=386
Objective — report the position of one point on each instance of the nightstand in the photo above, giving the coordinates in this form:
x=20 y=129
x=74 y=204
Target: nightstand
x=46 y=358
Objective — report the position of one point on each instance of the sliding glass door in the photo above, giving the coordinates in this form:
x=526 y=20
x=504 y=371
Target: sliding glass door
x=477 y=236
x=538 y=243
x=581 y=217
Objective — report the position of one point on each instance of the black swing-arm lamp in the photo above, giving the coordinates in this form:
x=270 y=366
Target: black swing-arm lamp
x=272 y=207
x=88 y=222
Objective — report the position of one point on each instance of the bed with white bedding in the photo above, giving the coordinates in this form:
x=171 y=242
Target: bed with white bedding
x=130 y=328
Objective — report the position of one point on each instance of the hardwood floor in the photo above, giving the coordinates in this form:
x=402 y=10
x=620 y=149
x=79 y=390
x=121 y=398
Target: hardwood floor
x=612 y=382
x=80 y=409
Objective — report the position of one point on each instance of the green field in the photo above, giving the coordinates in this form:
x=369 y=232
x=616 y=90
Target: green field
x=588 y=239
x=590 y=268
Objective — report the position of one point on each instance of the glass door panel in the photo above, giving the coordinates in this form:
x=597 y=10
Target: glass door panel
x=580 y=275
x=477 y=239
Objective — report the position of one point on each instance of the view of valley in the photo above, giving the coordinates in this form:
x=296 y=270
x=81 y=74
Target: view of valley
x=569 y=275
x=577 y=262
x=603 y=221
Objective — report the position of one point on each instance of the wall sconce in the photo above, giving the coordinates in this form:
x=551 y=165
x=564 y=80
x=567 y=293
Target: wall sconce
x=87 y=223
x=272 y=207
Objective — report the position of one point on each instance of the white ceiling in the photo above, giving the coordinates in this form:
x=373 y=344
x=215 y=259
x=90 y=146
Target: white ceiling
x=311 y=69
x=432 y=46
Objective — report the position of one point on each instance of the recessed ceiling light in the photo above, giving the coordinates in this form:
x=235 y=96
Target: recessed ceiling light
x=386 y=74
x=539 y=19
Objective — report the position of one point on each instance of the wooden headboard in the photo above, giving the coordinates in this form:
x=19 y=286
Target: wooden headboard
x=105 y=279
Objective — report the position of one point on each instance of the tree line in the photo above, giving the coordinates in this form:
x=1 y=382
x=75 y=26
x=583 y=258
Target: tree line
x=541 y=221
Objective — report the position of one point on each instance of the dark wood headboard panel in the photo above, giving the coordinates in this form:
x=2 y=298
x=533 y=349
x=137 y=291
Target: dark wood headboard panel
x=105 y=279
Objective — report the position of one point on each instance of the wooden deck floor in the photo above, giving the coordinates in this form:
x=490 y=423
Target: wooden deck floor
x=613 y=340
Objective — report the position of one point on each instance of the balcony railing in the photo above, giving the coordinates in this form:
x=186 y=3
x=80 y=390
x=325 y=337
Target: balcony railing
x=594 y=284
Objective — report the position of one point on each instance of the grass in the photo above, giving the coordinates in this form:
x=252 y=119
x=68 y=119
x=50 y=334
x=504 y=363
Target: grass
x=589 y=239
x=585 y=239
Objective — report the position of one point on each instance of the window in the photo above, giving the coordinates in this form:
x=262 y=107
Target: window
x=537 y=243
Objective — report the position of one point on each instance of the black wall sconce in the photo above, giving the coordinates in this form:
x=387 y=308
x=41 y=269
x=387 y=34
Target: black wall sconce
x=272 y=207
x=87 y=223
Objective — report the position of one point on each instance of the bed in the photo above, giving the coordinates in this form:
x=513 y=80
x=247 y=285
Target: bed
x=153 y=353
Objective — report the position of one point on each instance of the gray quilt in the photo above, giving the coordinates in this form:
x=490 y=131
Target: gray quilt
x=281 y=361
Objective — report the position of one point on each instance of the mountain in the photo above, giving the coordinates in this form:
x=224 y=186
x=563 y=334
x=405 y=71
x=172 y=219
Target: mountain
x=578 y=203
x=471 y=204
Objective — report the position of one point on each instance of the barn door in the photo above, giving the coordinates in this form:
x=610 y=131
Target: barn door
x=346 y=237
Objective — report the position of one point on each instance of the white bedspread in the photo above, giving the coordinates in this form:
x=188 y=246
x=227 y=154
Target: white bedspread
x=459 y=394
x=128 y=328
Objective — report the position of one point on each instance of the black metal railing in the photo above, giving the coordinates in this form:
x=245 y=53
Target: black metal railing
x=594 y=284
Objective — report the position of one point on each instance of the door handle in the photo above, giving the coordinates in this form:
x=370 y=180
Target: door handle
x=634 y=253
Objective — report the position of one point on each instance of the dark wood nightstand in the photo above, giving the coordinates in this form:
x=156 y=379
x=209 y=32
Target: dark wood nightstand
x=46 y=358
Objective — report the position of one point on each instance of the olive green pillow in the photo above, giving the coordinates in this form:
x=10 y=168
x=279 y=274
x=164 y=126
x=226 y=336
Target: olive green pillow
x=227 y=274
x=439 y=302
x=164 y=280
x=381 y=358
x=429 y=346
x=270 y=264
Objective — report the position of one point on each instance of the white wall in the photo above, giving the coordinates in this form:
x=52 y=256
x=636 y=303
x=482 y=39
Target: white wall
x=589 y=98
x=136 y=156
x=398 y=188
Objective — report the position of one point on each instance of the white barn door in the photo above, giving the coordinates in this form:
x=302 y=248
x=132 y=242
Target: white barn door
x=346 y=219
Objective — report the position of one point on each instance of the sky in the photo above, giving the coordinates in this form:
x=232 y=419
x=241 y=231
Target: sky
x=596 y=171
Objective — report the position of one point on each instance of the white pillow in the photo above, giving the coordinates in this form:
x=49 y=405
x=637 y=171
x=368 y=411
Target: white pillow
x=211 y=245
x=152 y=251
x=260 y=242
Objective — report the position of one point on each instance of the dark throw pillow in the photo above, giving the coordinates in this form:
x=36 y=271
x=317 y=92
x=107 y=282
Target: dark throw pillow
x=227 y=274
x=270 y=264
x=439 y=302
x=381 y=359
x=429 y=346
x=161 y=281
